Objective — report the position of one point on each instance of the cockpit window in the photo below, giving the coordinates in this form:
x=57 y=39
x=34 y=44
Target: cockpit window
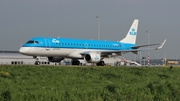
x=36 y=42
x=32 y=42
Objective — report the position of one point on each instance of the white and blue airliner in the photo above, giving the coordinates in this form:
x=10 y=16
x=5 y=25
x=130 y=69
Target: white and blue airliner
x=92 y=51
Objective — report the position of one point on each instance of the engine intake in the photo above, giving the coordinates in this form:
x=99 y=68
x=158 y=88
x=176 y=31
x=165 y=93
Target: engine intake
x=92 y=57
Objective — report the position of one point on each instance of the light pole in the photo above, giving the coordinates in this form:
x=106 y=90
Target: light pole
x=157 y=58
x=176 y=57
x=165 y=58
x=148 y=49
x=98 y=17
x=140 y=57
x=165 y=54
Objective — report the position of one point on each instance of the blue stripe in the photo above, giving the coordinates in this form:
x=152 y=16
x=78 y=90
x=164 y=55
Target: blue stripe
x=78 y=44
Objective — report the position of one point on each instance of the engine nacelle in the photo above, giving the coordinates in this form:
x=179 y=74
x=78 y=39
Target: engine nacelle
x=92 y=57
x=55 y=59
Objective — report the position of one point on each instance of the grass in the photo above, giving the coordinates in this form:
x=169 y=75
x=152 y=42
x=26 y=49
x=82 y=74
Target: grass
x=73 y=83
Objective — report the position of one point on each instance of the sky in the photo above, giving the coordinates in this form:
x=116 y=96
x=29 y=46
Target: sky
x=21 y=20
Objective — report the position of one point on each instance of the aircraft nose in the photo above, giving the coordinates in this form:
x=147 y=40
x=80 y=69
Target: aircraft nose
x=23 y=50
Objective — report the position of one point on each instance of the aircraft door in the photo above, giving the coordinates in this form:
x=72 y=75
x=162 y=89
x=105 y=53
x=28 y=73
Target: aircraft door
x=48 y=44
x=122 y=46
x=86 y=45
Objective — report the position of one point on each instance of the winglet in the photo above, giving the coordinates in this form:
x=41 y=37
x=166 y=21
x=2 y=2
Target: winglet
x=161 y=45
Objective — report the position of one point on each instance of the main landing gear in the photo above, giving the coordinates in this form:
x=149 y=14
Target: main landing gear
x=75 y=62
x=100 y=63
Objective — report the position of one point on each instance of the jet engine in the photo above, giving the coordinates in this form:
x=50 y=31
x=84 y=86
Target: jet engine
x=55 y=59
x=92 y=57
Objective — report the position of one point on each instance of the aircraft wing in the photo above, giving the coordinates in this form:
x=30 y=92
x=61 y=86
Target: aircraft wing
x=134 y=50
x=136 y=47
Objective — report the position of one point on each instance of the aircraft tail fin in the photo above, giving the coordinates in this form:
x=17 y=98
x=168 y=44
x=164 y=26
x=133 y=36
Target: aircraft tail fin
x=132 y=33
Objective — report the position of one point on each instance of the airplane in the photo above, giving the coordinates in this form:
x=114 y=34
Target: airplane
x=92 y=51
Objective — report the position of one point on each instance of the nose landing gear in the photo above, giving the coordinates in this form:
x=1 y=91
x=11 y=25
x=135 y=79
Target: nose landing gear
x=37 y=62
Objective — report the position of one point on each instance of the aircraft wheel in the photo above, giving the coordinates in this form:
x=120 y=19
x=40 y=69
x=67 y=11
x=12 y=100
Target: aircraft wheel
x=100 y=63
x=75 y=62
x=37 y=63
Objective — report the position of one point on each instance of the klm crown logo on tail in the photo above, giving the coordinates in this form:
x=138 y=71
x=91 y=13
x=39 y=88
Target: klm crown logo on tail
x=133 y=32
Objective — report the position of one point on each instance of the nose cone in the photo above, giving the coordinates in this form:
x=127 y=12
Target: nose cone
x=23 y=50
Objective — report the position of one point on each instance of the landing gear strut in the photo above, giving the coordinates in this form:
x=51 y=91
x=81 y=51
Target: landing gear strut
x=100 y=63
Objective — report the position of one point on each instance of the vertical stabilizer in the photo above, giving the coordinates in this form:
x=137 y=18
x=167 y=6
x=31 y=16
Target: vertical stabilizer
x=132 y=33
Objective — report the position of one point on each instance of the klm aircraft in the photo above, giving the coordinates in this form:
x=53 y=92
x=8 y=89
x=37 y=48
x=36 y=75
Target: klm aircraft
x=92 y=51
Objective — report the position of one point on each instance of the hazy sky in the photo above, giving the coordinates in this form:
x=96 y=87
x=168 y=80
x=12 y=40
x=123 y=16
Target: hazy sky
x=21 y=20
